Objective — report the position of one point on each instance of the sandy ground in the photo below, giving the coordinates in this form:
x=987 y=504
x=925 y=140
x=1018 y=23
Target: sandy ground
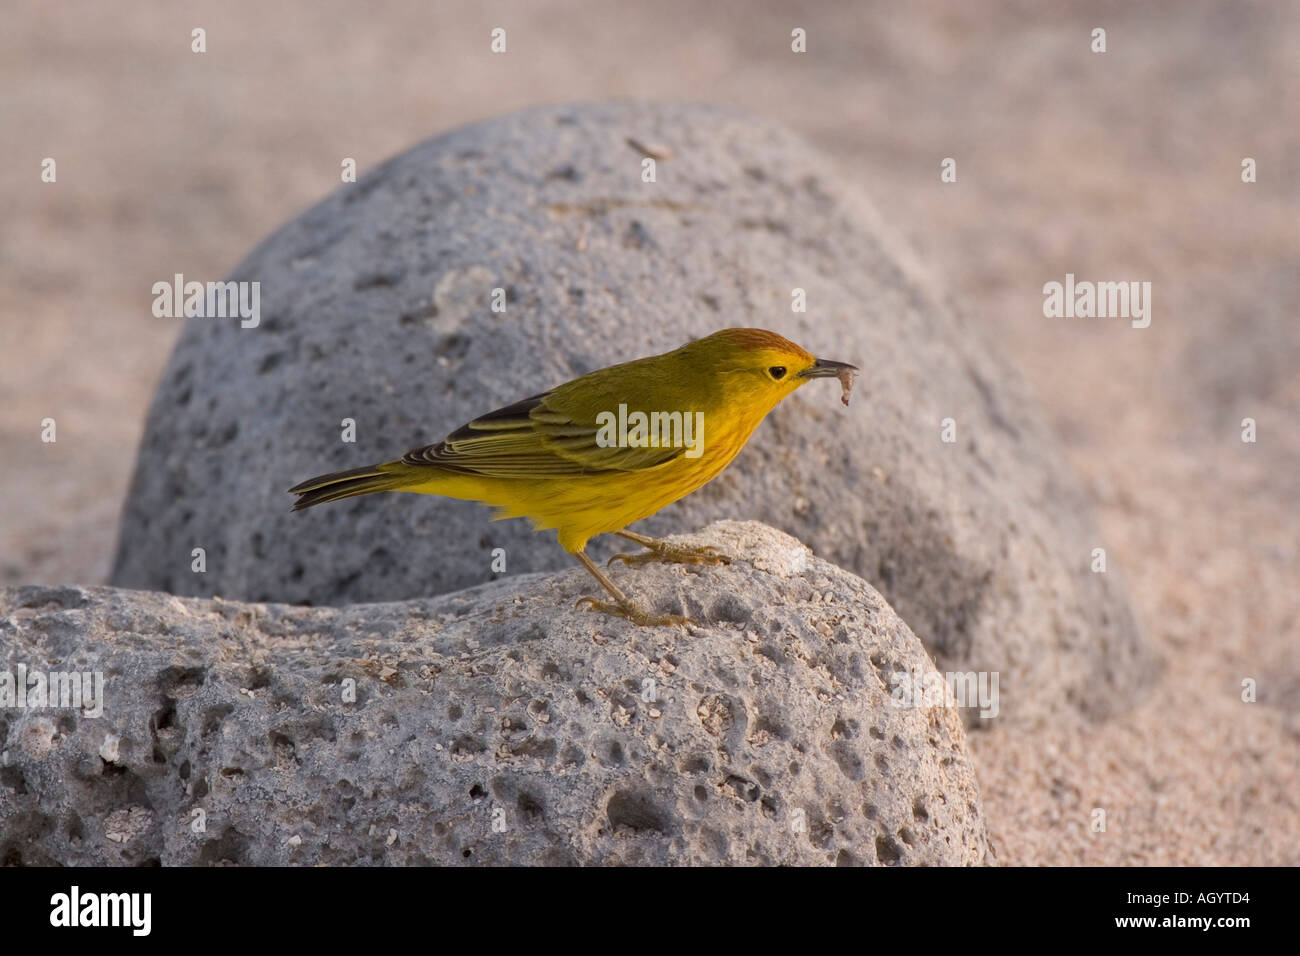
x=1123 y=165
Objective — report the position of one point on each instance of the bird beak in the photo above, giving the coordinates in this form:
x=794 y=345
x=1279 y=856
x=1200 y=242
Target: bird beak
x=826 y=368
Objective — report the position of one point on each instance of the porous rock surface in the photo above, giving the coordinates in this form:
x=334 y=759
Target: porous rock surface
x=377 y=307
x=494 y=725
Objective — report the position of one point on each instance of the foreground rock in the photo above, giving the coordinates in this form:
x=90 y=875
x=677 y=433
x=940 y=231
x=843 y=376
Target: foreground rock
x=496 y=725
x=377 y=307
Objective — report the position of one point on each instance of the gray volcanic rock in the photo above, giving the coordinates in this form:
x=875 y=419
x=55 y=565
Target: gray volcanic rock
x=494 y=725
x=377 y=307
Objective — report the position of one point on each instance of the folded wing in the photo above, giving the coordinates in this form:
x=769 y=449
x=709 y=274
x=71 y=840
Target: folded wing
x=534 y=438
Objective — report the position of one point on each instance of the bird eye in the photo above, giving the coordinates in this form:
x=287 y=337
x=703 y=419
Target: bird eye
x=777 y=371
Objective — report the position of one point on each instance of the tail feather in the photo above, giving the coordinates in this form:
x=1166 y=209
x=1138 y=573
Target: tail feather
x=346 y=484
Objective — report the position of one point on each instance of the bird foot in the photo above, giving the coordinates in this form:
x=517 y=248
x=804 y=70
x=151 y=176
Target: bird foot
x=635 y=614
x=673 y=554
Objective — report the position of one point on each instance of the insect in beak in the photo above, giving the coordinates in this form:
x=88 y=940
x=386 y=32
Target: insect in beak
x=825 y=368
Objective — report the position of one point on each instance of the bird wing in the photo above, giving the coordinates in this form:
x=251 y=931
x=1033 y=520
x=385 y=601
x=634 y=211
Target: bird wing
x=534 y=438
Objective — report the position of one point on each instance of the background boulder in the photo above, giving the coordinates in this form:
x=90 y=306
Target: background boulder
x=376 y=307
x=494 y=725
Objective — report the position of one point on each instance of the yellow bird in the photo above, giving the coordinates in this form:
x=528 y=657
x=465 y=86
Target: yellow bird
x=605 y=450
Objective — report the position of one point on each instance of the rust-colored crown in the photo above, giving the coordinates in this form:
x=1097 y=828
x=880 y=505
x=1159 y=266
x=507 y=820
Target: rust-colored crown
x=763 y=339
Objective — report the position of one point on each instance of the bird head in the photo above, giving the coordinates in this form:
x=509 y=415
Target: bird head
x=766 y=367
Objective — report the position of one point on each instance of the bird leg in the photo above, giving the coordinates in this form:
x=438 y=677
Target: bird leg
x=663 y=551
x=623 y=606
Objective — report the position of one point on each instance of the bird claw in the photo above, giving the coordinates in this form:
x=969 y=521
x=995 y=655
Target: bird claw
x=635 y=614
x=673 y=554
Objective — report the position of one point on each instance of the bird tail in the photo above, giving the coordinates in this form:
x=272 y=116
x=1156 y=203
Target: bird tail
x=337 y=485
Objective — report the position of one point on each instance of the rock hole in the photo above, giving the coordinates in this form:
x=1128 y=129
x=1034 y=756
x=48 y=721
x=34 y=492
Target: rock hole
x=636 y=810
x=888 y=851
